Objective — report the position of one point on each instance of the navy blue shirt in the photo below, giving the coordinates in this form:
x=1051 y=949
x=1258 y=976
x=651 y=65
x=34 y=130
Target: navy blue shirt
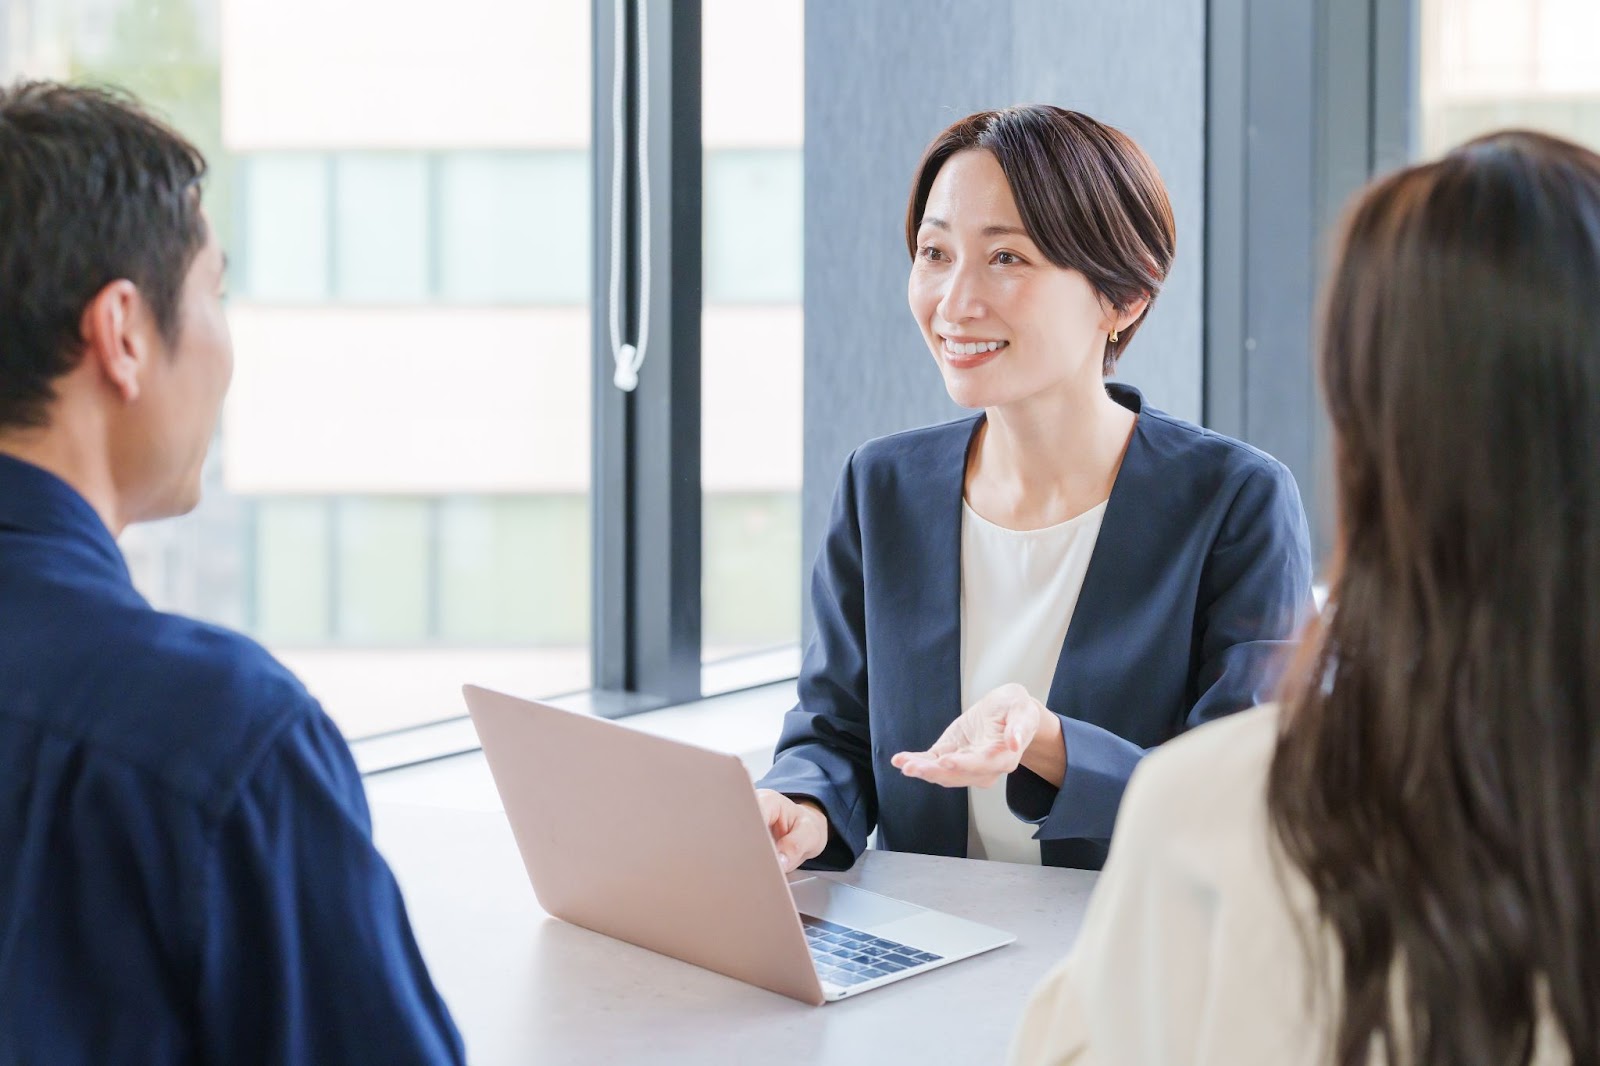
x=187 y=872
x=1200 y=578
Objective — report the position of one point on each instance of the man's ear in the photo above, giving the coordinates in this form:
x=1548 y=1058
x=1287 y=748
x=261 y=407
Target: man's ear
x=116 y=331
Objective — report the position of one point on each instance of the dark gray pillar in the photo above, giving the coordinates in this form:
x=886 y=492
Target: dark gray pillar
x=1307 y=99
x=882 y=78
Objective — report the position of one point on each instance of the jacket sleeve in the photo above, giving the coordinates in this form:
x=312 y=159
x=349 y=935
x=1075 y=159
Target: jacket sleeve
x=825 y=751
x=1255 y=591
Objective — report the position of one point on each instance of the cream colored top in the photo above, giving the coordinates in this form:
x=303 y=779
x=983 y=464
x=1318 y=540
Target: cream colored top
x=1190 y=951
x=1019 y=589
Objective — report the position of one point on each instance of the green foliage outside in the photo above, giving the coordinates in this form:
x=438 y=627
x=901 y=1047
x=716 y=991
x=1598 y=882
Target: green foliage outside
x=157 y=53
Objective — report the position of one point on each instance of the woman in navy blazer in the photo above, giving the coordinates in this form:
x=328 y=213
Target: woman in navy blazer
x=1038 y=239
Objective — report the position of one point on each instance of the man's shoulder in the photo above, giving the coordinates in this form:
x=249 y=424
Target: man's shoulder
x=202 y=657
x=191 y=705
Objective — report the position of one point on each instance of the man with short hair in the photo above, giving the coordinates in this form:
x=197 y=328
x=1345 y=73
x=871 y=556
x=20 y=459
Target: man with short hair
x=186 y=865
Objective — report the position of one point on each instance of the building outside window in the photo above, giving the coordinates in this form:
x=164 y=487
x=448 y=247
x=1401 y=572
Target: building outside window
x=753 y=129
x=397 y=499
x=1491 y=64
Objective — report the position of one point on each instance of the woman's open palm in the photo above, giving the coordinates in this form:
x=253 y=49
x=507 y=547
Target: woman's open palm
x=982 y=745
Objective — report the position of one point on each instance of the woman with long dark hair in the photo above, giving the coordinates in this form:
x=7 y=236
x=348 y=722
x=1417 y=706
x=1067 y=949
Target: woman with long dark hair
x=1014 y=607
x=1404 y=865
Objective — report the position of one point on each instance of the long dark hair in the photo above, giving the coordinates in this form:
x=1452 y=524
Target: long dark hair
x=1089 y=197
x=1438 y=775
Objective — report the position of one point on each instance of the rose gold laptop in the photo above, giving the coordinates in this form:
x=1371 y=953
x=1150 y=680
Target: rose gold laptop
x=662 y=844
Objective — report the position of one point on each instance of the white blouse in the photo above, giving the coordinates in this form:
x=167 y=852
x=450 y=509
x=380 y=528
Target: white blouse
x=1191 y=949
x=1018 y=591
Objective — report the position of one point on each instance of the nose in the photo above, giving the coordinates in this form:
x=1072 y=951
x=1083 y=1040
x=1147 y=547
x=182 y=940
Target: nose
x=962 y=298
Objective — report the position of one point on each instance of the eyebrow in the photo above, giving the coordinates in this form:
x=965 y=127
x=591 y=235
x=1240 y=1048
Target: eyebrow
x=988 y=231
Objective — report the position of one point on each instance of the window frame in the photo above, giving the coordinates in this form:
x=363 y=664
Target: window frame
x=646 y=498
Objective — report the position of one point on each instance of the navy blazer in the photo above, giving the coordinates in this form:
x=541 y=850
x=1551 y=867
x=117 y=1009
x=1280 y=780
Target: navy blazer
x=1199 y=578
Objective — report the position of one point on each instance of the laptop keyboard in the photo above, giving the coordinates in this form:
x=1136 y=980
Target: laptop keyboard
x=846 y=956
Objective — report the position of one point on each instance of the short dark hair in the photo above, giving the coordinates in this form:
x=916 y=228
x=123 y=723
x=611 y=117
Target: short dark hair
x=93 y=189
x=1089 y=198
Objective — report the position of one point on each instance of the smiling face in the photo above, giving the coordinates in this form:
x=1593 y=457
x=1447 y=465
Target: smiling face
x=1004 y=324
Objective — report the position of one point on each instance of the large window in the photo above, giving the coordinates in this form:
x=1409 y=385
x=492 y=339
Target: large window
x=1489 y=64
x=399 y=496
x=751 y=330
x=398 y=499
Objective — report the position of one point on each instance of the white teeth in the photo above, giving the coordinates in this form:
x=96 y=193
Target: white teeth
x=972 y=347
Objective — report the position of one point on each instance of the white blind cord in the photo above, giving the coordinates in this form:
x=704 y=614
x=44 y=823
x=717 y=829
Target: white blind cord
x=628 y=358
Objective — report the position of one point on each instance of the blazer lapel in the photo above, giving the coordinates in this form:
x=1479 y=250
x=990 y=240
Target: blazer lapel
x=942 y=518
x=927 y=610
x=1111 y=567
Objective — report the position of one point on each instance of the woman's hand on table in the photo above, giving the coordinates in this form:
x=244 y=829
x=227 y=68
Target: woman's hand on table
x=1005 y=729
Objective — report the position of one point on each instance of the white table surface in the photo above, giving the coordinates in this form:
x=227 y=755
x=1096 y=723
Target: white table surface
x=527 y=988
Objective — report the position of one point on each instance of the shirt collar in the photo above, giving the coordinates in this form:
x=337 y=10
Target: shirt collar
x=1126 y=395
x=33 y=500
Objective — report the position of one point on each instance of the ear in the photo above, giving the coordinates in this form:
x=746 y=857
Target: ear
x=1130 y=314
x=115 y=329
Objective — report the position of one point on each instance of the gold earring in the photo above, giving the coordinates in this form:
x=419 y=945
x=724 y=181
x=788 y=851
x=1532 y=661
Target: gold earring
x=1113 y=336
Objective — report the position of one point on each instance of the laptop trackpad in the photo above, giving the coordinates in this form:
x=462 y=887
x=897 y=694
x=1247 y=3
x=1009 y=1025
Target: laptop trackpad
x=824 y=898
